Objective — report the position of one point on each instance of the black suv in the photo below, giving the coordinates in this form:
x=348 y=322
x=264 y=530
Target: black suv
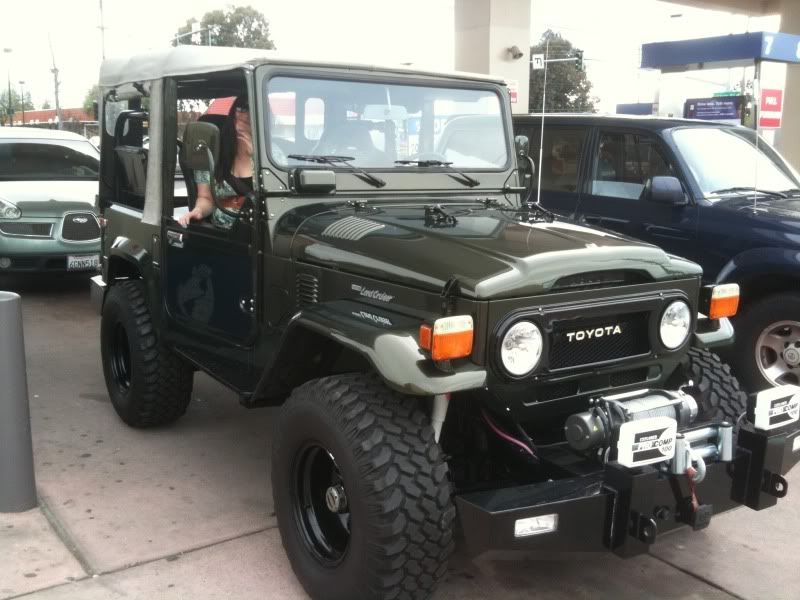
x=710 y=192
x=440 y=348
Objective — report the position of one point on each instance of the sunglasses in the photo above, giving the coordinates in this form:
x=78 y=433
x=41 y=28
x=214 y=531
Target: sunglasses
x=242 y=109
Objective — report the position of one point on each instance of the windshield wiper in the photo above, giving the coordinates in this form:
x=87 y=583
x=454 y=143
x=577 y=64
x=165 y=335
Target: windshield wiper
x=334 y=160
x=465 y=179
x=742 y=188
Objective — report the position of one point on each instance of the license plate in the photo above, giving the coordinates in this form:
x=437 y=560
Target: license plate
x=83 y=263
x=646 y=441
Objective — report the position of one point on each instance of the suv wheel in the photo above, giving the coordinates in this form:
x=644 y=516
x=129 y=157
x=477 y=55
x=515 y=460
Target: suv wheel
x=148 y=384
x=717 y=391
x=361 y=491
x=768 y=342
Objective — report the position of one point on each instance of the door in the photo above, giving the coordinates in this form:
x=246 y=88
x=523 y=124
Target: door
x=621 y=165
x=562 y=159
x=209 y=293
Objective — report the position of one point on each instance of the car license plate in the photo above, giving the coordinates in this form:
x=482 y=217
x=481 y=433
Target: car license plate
x=83 y=263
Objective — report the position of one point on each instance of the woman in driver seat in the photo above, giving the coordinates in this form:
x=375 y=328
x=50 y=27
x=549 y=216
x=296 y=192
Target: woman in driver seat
x=233 y=171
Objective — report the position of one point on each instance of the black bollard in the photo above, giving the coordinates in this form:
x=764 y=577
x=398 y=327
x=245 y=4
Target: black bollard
x=17 y=481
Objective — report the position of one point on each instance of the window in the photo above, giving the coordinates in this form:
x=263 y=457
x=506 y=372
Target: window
x=49 y=159
x=625 y=162
x=377 y=123
x=725 y=158
x=561 y=157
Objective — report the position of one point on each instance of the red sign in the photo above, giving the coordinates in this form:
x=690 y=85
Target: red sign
x=771 y=109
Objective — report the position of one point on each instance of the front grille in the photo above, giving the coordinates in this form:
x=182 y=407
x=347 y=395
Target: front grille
x=17 y=229
x=586 y=385
x=307 y=289
x=579 y=342
x=80 y=227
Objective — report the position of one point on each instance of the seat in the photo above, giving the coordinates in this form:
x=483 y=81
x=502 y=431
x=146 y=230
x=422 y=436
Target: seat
x=350 y=138
x=133 y=163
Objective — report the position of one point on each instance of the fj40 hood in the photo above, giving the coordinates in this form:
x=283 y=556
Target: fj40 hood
x=491 y=252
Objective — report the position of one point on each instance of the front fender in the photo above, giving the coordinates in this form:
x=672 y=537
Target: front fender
x=758 y=262
x=387 y=340
x=126 y=259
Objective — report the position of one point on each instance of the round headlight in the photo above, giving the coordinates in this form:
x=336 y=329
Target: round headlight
x=521 y=348
x=676 y=324
x=8 y=210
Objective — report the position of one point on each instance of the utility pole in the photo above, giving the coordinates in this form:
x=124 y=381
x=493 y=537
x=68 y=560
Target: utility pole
x=56 y=83
x=22 y=98
x=102 y=32
x=9 y=110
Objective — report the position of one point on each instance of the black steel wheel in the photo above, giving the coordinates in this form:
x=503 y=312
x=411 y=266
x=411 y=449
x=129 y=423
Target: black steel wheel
x=148 y=384
x=361 y=491
x=321 y=510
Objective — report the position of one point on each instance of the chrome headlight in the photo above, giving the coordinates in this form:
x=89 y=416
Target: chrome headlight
x=521 y=348
x=676 y=324
x=9 y=210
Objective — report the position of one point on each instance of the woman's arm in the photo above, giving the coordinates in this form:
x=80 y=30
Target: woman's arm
x=202 y=208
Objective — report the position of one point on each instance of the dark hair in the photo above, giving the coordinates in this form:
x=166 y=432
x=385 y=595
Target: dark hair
x=227 y=142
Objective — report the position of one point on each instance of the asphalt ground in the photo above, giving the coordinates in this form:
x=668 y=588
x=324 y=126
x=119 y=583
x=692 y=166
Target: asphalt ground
x=186 y=511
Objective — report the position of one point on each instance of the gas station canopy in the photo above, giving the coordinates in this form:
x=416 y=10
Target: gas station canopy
x=721 y=52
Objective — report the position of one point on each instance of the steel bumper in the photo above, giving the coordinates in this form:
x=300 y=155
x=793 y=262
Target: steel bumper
x=623 y=510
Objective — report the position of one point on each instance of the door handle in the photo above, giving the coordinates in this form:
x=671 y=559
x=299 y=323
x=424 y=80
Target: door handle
x=175 y=239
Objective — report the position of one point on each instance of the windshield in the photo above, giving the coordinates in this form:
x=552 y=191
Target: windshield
x=379 y=123
x=31 y=160
x=727 y=158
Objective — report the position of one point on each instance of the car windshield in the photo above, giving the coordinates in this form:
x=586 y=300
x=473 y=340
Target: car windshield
x=31 y=160
x=724 y=160
x=377 y=124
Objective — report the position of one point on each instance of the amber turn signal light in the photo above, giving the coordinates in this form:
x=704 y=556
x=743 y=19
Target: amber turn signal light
x=448 y=338
x=724 y=301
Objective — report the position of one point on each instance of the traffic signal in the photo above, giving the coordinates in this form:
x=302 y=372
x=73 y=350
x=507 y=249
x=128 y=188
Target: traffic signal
x=579 y=60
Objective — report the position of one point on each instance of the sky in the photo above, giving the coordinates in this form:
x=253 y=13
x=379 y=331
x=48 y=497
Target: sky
x=382 y=31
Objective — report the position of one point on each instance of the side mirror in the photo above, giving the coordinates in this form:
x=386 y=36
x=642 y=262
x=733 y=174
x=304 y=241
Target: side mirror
x=521 y=144
x=200 y=146
x=665 y=189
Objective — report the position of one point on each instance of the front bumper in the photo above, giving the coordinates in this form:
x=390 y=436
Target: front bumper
x=622 y=509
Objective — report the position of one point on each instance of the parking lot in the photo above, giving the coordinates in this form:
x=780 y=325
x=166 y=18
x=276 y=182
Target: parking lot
x=186 y=511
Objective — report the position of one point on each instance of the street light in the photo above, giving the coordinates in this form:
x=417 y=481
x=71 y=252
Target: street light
x=9 y=110
x=22 y=98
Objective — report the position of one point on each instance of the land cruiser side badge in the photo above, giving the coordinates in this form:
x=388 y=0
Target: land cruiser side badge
x=371 y=294
x=646 y=441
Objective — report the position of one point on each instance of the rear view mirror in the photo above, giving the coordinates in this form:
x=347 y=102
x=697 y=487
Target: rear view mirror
x=665 y=190
x=201 y=146
x=521 y=145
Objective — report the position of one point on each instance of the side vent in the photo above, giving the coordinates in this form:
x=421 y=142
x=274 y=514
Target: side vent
x=351 y=228
x=307 y=289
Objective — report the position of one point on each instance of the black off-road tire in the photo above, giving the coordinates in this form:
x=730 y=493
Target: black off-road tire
x=718 y=393
x=750 y=323
x=150 y=385
x=396 y=484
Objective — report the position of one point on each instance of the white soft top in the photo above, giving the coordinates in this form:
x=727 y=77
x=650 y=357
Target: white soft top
x=194 y=60
x=36 y=133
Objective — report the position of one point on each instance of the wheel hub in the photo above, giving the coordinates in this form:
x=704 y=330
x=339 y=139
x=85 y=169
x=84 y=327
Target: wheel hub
x=336 y=499
x=778 y=352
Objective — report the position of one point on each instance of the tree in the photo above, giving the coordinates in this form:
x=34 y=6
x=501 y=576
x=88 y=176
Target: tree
x=15 y=103
x=241 y=26
x=46 y=104
x=92 y=96
x=568 y=88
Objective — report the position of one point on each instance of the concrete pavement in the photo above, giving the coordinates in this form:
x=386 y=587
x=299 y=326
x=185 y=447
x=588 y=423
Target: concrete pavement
x=186 y=511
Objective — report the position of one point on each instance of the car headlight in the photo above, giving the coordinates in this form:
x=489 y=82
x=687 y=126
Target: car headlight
x=676 y=324
x=521 y=348
x=9 y=210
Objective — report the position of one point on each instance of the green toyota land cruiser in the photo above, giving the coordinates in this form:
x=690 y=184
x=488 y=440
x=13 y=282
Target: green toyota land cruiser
x=444 y=351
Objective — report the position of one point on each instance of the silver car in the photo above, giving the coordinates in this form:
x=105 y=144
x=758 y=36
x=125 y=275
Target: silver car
x=48 y=182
